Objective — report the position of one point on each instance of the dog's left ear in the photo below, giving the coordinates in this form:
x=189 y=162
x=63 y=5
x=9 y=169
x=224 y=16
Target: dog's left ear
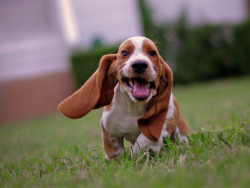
x=152 y=122
x=98 y=90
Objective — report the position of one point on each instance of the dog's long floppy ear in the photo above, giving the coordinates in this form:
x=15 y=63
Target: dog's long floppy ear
x=98 y=91
x=152 y=122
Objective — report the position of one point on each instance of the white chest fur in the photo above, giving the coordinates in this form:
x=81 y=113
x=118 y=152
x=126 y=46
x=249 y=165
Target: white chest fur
x=121 y=120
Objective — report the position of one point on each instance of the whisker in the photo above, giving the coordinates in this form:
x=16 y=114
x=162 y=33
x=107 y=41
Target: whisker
x=112 y=72
x=115 y=50
x=116 y=80
x=160 y=69
x=163 y=82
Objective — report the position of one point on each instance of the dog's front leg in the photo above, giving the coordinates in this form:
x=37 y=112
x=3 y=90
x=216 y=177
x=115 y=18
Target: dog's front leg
x=113 y=146
x=142 y=142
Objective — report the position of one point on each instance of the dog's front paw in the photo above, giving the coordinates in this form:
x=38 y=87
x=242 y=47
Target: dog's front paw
x=135 y=149
x=142 y=143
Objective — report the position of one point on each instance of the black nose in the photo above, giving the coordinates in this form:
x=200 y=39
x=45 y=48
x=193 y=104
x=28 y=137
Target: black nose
x=139 y=66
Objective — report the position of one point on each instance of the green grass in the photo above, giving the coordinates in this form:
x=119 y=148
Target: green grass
x=54 y=151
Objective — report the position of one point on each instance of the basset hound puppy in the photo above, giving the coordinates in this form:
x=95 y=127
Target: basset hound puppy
x=134 y=86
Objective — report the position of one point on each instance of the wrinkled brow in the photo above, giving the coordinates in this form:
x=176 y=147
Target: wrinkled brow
x=128 y=46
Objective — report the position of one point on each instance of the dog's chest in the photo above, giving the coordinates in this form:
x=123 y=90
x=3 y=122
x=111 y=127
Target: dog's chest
x=121 y=120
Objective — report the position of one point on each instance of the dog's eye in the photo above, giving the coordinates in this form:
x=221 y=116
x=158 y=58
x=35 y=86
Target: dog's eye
x=152 y=53
x=125 y=53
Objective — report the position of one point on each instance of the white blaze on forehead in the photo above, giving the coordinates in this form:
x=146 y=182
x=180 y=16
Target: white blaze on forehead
x=138 y=42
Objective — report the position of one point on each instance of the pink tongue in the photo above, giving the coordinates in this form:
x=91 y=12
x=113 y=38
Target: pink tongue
x=140 y=90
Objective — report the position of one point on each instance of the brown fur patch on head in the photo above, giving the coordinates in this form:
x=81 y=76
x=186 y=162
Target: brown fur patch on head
x=125 y=46
x=147 y=47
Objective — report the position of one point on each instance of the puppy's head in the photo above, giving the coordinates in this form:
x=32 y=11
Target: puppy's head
x=139 y=68
x=142 y=73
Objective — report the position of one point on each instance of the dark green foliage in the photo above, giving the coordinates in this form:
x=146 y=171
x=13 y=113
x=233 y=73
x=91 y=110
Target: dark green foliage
x=84 y=64
x=205 y=54
x=200 y=53
x=242 y=46
x=212 y=51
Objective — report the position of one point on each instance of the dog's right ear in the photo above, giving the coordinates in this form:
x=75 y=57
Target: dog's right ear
x=98 y=91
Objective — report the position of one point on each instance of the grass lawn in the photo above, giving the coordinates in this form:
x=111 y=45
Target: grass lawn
x=54 y=151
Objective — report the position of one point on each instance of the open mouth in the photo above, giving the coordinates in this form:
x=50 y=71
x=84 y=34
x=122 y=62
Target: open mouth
x=139 y=87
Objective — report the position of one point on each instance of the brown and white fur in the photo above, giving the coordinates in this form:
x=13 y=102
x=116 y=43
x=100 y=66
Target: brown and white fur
x=119 y=119
x=134 y=86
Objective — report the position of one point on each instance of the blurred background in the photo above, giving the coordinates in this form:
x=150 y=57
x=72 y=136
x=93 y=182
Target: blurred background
x=48 y=48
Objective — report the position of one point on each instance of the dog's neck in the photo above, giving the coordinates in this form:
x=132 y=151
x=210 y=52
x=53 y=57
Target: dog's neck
x=122 y=99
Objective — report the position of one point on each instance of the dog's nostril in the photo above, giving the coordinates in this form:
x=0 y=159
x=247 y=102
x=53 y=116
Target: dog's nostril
x=139 y=66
